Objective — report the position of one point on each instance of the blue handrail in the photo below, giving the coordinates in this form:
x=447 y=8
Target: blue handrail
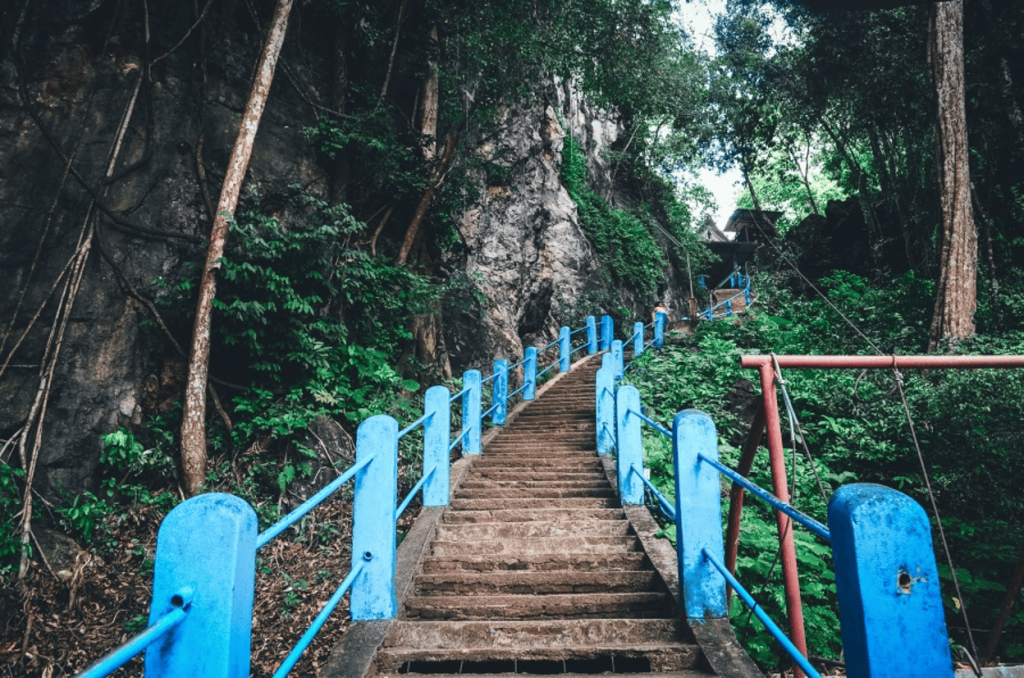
x=305 y=507
x=653 y=424
x=663 y=503
x=772 y=627
x=800 y=517
x=314 y=628
x=458 y=440
x=412 y=493
x=134 y=646
x=410 y=427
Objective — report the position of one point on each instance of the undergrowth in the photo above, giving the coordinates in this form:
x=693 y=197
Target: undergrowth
x=968 y=423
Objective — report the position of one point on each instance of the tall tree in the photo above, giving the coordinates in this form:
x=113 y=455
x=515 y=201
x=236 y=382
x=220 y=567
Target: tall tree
x=956 y=297
x=193 y=425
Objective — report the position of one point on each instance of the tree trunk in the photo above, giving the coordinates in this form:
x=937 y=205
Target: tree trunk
x=428 y=103
x=193 y=430
x=436 y=179
x=956 y=295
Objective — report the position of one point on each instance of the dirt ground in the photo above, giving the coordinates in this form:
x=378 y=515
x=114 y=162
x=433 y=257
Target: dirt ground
x=64 y=616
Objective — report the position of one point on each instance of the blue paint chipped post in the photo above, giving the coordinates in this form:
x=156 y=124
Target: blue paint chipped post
x=472 y=383
x=499 y=394
x=436 y=433
x=660 y=320
x=699 y=510
x=607 y=332
x=619 y=371
x=890 y=605
x=605 y=406
x=206 y=551
x=373 y=520
x=629 y=446
x=564 y=349
x=530 y=374
x=591 y=335
x=638 y=339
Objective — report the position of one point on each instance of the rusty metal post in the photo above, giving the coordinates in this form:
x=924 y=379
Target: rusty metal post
x=732 y=534
x=790 y=575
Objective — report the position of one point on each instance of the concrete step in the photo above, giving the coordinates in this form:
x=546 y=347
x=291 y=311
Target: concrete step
x=537 y=562
x=561 y=545
x=569 y=606
x=482 y=484
x=493 y=504
x=534 y=583
x=501 y=474
x=527 y=667
x=534 y=634
x=576 y=465
x=530 y=515
x=534 y=493
x=532 y=530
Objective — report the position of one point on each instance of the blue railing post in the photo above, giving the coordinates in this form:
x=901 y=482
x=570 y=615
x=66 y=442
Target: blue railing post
x=436 y=434
x=890 y=605
x=607 y=332
x=206 y=550
x=605 y=394
x=471 y=381
x=499 y=394
x=373 y=520
x=728 y=308
x=638 y=339
x=660 y=320
x=564 y=348
x=591 y=335
x=617 y=357
x=746 y=296
x=530 y=374
x=629 y=447
x=699 y=515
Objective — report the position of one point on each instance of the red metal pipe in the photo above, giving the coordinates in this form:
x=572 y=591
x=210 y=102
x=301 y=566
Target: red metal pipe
x=790 y=575
x=732 y=534
x=869 y=362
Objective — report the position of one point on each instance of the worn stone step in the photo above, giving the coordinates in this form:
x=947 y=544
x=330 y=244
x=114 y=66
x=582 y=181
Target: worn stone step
x=481 y=484
x=504 y=547
x=530 y=515
x=545 y=668
x=538 y=562
x=492 y=504
x=534 y=448
x=497 y=473
x=568 y=606
x=534 y=634
x=534 y=493
x=575 y=464
x=533 y=530
x=533 y=583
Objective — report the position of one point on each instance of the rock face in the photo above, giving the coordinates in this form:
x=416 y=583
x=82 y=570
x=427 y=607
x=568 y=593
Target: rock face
x=527 y=251
x=151 y=149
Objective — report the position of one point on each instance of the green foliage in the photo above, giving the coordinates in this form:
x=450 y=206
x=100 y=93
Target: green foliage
x=10 y=503
x=620 y=238
x=968 y=423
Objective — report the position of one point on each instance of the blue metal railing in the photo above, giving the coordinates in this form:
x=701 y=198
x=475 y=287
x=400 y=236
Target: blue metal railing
x=735 y=280
x=878 y=537
x=210 y=541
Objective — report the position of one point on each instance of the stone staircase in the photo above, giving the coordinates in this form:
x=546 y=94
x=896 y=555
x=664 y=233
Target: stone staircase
x=534 y=568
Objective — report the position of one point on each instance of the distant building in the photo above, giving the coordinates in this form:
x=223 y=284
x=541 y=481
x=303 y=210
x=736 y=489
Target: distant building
x=751 y=228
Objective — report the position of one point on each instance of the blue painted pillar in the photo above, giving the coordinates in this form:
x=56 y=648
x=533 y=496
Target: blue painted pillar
x=471 y=422
x=499 y=394
x=660 y=320
x=617 y=357
x=206 y=563
x=564 y=349
x=746 y=295
x=605 y=406
x=638 y=339
x=630 y=449
x=530 y=374
x=702 y=282
x=591 y=335
x=373 y=520
x=607 y=332
x=890 y=605
x=699 y=511
x=436 y=436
